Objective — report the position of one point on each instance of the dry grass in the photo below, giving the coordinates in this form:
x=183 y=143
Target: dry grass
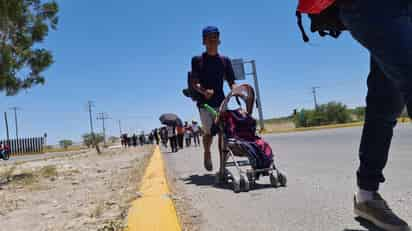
x=276 y=128
x=134 y=178
x=27 y=178
x=68 y=149
x=405 y=120
x=355 y=124
x=7 y=175
x=98 y=211
x=24 y=179
x=48 y=171
x=112 y=226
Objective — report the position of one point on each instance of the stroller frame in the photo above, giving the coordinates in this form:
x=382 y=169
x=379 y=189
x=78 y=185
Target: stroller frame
x=240 y=172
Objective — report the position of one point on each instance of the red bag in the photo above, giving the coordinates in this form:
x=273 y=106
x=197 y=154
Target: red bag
x=314 y=6
x=324 y=16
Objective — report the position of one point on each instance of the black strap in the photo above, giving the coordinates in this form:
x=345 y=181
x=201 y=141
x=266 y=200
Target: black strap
x=222 y=58
x=302 y=30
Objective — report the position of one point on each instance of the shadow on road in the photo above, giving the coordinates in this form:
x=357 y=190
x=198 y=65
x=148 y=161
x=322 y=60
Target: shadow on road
x=204 y=180
x=366 y=224
x=209 y=180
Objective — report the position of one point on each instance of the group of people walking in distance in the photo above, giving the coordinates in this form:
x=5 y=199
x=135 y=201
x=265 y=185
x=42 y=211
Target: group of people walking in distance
x=175 y=137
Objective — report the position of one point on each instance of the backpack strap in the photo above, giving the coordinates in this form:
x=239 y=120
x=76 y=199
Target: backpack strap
x=300 y=25
x=224 y=62
x=221 y=57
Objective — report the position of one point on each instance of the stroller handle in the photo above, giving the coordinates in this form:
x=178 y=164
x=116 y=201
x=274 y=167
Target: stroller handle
x=244 y=92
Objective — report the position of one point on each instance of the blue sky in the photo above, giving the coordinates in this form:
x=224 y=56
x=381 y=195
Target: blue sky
x=131 y=59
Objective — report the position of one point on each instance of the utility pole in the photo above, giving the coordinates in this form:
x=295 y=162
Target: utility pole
x=120 y=127
x=90 y=105
x=15 y=120
x=7 y=130
x=103 y=116
x=314 y=97
x=7 y=127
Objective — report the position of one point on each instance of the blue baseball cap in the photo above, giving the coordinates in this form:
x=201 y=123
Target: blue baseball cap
x=210 y=30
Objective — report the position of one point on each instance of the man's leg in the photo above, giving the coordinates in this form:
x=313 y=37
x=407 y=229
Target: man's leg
x=174 y=143
x=207 y=158
x=196 y=139
x=385 y=29
x=180 y=141
x=384 y=104
x=207 y=122
x=171 y=144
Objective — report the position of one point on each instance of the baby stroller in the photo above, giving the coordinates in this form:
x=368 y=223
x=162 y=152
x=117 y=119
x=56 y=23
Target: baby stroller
x=244 y=156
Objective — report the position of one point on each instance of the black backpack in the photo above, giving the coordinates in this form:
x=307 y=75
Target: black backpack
x=327 y=22
x=192 y=93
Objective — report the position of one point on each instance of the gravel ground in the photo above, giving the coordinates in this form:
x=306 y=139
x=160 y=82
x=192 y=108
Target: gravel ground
x=78 y=192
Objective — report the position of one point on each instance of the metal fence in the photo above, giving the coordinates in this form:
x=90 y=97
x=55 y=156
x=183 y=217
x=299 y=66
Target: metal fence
x=25 y=145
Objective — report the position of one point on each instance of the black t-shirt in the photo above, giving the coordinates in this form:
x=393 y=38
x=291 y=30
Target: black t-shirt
x=211 y=71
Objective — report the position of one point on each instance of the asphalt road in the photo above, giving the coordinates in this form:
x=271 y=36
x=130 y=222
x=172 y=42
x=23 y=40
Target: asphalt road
x=321 y=181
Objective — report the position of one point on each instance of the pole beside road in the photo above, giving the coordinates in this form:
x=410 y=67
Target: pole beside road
x=239 y=69
x=258 y=100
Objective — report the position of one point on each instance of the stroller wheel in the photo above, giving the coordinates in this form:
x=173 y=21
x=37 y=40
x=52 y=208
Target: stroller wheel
x=222 y=178
x=251 y=179
x=236 y=183
x=282 y=179
x=274 y=181
x=244 y=181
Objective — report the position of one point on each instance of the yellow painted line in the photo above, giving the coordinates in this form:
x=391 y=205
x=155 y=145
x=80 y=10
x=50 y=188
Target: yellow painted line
x=154 y=211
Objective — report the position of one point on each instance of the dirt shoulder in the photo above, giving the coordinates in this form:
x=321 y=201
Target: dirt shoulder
x=189 y=217
x=81 y=192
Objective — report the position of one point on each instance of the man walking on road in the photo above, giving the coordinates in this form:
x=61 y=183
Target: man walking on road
x=171 y=134
x=384 y=28
x=156 y=135
x=209 y=72
x=180 y=136
x=196 y=133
